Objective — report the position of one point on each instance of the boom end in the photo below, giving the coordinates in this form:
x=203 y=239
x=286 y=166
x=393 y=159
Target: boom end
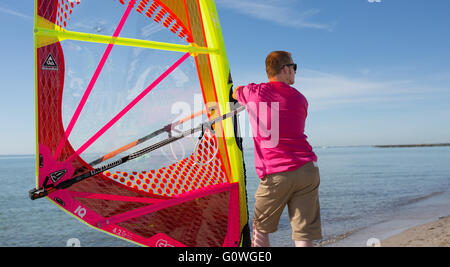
x=38 y=193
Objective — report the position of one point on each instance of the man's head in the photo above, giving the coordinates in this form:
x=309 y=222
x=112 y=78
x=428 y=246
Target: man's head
x=280 y=67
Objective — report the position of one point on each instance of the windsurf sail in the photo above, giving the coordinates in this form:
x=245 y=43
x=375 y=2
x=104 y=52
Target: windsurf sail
x=136 y=136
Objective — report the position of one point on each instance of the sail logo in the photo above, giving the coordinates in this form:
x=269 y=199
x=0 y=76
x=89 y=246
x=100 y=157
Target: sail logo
x=50 y=63
x=41 y=161
x=80 y=211
x=56 y=176
x=161 y=243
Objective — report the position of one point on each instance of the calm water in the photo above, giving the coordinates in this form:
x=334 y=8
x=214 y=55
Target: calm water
x=362 y=189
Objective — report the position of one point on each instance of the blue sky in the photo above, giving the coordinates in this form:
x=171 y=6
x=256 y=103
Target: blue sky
x=373 y=73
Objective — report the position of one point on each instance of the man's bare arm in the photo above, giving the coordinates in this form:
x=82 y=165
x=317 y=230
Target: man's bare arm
x=234 y=93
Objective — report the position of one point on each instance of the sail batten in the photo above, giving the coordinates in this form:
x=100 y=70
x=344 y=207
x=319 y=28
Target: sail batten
x=61 y=35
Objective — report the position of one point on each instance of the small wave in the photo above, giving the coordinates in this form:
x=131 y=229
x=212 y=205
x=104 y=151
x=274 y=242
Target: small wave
x=409 y=201
x=334 y=239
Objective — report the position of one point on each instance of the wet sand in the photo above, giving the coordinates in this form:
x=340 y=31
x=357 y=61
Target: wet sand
x=434 y=234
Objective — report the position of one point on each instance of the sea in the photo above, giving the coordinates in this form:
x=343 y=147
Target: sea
x=366 y=193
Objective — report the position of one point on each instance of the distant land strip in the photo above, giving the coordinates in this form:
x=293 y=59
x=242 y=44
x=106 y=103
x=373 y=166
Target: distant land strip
x=418 y=145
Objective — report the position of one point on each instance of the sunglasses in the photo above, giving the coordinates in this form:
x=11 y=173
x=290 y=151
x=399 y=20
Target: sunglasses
x=294 y=65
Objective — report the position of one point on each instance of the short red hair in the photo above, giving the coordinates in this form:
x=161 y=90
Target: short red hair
x=275 y=61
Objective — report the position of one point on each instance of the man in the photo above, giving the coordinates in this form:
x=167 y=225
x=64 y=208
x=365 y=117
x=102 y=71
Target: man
x=284 y=160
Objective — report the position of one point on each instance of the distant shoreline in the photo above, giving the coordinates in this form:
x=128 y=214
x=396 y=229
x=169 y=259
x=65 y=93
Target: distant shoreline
x=417 y=145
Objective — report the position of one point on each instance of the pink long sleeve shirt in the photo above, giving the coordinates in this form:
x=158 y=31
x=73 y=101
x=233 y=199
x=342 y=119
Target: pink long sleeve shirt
x=277 y=115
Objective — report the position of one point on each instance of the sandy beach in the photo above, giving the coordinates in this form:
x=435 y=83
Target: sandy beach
x=434 y=234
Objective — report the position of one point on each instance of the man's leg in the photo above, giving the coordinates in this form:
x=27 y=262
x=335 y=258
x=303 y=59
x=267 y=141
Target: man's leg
x=308 y=243
x=270 y=200
x=304 y=206
x=260 y=239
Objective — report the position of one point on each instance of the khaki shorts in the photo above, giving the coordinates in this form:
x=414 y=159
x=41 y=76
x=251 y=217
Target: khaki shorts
x=299 y=190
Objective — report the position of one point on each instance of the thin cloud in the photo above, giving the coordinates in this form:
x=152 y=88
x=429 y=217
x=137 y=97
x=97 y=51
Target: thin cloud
x=327 y=91
x=14 y=13
x=280 y=12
